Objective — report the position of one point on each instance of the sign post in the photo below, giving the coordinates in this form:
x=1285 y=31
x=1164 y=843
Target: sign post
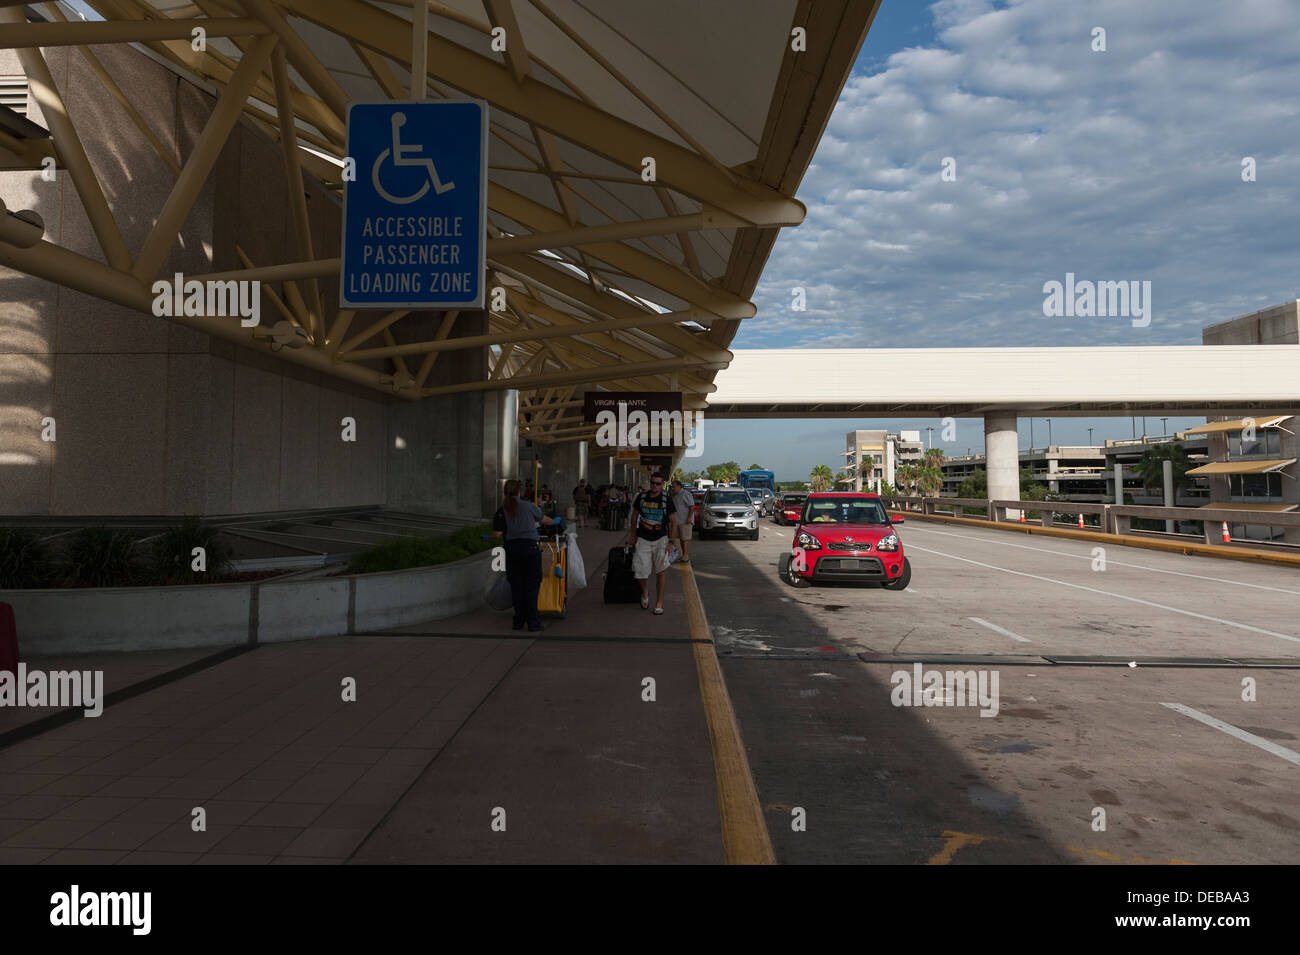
x=415 y=215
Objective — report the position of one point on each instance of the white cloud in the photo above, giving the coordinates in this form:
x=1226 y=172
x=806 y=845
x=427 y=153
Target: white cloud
x=1117 y=165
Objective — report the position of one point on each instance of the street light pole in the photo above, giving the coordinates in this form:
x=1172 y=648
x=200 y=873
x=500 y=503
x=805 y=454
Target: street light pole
x=930 y=436
x=1049 y=432
x=1090 y=437
x=1164 y=427
x=1031 y=434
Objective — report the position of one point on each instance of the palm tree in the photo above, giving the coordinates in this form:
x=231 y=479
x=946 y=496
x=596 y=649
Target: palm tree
x=929 y=477
x=679 y=475
x=820 y=477
x=866 y=470
x=906 y=475
x=1152 y=466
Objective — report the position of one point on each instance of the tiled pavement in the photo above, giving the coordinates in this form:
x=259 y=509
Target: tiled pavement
x=283 y=767
x=120 y=670
x=443 y=730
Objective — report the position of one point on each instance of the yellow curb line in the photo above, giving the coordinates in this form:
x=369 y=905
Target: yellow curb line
x=956 y=841
x=1172 y=547
x=745 y=840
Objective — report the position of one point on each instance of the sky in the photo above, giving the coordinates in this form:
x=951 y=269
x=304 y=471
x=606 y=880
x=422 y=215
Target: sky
x=1114 y=165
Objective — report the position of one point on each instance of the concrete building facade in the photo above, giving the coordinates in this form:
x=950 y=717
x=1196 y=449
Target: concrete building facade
x=1252 y=460
x=106 y=411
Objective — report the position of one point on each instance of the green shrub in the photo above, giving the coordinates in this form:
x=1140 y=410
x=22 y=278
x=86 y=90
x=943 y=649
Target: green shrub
x=23 y=561
x=404 y=553
x=170 y=558
x=99 y=557
x=471 y=538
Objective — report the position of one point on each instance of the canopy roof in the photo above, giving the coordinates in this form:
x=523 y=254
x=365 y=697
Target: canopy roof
x=1246 y=466
x=1263 y=421
x=612 y=281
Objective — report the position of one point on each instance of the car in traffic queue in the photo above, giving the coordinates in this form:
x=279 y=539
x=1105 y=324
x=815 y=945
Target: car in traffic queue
x=789 y=507
x=728 y=511
x=846 y=537
x=698 y=494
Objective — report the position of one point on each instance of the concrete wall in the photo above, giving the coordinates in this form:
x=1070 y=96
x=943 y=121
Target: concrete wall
x=435 y=452
x=1275 y=325
x=156 y=419
x=219 y=615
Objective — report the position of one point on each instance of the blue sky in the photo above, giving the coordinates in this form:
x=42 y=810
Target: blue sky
x=1117 y=165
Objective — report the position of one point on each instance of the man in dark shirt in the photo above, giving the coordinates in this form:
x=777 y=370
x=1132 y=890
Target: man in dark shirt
x=652 y=527
x=580 y=501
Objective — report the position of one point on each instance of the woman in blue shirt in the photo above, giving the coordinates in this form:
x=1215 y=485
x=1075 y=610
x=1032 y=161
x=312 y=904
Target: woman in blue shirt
x=517 y=522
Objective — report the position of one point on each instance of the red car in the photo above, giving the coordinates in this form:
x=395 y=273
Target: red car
x=846 y=537
x=695 y=508
x=788 y=508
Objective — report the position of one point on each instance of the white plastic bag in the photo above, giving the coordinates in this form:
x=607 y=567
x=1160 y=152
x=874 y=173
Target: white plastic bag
x=577 y=571
x=499 y=596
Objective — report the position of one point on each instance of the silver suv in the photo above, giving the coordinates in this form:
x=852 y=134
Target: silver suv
x=728 y=511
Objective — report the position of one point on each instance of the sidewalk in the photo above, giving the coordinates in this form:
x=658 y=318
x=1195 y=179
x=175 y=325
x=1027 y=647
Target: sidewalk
x=452 y=722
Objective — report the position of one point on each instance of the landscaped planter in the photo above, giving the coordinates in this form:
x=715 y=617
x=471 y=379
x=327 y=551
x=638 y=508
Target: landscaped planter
x=219 y=615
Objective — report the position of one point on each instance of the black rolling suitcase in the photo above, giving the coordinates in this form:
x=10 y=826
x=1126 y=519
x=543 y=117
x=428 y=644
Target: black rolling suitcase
x=620 y=586
x=612 y=519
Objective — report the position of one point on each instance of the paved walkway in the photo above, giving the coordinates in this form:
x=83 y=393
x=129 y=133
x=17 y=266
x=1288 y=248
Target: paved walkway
x=465 y=743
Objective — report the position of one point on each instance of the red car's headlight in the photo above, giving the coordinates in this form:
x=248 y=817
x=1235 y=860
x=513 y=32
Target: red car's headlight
x=807 y=541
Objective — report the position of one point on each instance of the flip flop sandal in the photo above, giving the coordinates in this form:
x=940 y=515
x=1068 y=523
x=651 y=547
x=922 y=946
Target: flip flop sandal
x=645 y=603
x=659 y=611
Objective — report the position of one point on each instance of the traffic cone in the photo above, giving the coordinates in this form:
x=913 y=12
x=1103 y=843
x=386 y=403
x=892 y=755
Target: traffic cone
x=1081 y=520
x=1227 y=538
x=1022 y=517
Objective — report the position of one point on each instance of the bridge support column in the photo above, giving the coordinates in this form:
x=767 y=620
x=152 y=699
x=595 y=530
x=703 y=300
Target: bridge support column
x=1002 y=453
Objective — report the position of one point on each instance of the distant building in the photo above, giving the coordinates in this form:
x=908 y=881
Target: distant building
x=1252 y=461
x=1086 y=473
x=1129 y=453
x=887 y=451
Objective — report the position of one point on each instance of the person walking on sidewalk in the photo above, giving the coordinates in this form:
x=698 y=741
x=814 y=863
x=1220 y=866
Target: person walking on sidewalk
x=652 y=527
x=683 y=501
x=516 y=520
x=580 y=498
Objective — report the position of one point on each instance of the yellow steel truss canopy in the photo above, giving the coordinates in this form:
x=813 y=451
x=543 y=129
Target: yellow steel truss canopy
x=614 y=279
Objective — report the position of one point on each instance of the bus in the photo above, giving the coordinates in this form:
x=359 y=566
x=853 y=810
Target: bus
x=757 y=479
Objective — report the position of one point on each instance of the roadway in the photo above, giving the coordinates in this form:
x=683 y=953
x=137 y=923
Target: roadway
x=1184 y=769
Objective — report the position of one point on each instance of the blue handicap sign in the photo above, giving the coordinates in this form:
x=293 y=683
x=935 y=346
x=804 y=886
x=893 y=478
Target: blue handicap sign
x=414 y=217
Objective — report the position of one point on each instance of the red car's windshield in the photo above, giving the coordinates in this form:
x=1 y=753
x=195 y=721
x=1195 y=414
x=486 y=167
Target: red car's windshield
x=844 y=510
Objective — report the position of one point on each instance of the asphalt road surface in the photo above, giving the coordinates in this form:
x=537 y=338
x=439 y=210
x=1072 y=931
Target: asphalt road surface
x=1084 y=757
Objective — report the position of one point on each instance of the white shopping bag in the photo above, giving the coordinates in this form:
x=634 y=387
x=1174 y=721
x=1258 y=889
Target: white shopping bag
x=577 y=571
x=499 y=596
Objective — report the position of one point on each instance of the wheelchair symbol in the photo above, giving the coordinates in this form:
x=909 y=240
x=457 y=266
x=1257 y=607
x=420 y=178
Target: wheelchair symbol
x=407 y=156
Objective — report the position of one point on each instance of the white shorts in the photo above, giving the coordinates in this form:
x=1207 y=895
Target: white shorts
x=650 y=557
x=684 y=529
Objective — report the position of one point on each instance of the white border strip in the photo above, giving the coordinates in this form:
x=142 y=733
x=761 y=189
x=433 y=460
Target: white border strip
x=994 y=627
x=1290 y=755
